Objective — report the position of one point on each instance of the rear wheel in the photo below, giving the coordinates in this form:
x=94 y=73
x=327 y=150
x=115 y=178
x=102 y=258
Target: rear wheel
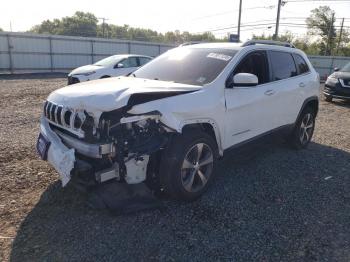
x=104 y=77
x=304 y=129
x=188 y=164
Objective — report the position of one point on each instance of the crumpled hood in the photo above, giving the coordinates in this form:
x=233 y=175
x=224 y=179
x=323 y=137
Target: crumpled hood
x=105 y=95
x=85 y=69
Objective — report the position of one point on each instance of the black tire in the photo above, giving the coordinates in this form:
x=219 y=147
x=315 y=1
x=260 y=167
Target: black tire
x=303 y=129
x=176 y=176
x=104 y=77
x=328 y=98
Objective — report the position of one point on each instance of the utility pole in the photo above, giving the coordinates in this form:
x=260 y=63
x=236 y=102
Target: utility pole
x=239 y=20
x=340 y=35
x=103 y=25
x=329 y=46
x=275 y=36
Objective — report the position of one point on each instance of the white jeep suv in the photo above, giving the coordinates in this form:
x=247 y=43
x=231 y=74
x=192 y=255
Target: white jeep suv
x=169 y=122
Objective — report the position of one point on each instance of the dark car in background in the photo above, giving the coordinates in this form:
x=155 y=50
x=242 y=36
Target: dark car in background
x=338 y=84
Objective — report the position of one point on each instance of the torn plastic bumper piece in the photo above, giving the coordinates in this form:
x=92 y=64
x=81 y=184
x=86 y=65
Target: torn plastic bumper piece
x=59 y=156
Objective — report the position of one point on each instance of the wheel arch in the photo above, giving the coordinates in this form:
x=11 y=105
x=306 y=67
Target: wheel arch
x=209 y=127
x=310 y=102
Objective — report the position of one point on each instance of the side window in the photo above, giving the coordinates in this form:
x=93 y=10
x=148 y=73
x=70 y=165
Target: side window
x=130 y=62
x=255 y=63
x=144 y=60
x=283 y=65
x=301 y=64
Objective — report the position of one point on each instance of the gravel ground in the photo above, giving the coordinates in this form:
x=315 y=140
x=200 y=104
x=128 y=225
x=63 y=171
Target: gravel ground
x=268 y=203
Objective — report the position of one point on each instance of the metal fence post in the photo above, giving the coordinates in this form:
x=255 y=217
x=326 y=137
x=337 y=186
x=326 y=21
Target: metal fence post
x=51 y=58
x=129 y=47
x=92 y=51
x=159 y=48
x=9 y=47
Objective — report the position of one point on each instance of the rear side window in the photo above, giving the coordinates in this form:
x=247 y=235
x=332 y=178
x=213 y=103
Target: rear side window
x=144 y=60
x=130 y=62
x=283 y=65
x=301 y=64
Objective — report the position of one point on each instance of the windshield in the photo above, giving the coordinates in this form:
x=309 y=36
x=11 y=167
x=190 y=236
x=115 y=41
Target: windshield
x=109 y=61
x=346 y=68
x=194 y=66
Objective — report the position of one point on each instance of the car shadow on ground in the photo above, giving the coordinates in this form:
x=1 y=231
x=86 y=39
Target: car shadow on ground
x=342 y=103
x=268 y=202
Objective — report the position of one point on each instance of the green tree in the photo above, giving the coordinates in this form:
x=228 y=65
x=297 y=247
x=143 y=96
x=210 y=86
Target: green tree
x=321 y=24
x=80 y=24
x=1 y=29
x=86 y=24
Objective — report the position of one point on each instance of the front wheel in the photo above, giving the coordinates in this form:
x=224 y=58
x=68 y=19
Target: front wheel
x=187 y=165
x=303 y=130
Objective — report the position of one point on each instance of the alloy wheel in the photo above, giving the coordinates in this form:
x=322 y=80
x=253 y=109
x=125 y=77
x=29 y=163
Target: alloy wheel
x=197 y=167
x=306 y=128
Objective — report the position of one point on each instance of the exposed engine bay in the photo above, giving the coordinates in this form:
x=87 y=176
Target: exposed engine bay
x=119 y=147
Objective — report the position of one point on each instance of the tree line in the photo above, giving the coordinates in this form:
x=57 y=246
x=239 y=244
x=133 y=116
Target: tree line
x=86 y=25
x=322 y=38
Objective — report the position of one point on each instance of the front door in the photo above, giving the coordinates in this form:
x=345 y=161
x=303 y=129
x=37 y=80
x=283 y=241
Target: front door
x=250 y=111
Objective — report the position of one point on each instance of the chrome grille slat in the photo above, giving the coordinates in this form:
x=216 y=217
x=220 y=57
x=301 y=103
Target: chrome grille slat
x=52 y=112
x=56 y=114
x=48 y=114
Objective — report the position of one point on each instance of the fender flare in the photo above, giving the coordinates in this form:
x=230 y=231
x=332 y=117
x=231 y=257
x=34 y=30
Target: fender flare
x=305 y=103
x=209 y=121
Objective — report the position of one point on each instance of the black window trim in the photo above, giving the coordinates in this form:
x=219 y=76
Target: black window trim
x=308 y=67
x=243 y=57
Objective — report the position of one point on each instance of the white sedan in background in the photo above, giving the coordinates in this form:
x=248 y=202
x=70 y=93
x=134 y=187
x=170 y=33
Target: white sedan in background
x=116 y=65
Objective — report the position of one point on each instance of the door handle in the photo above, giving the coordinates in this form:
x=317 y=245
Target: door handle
x=269 y=92
x=301 y=84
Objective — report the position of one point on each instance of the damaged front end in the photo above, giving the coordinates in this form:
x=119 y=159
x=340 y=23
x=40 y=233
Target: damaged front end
x=117 y=145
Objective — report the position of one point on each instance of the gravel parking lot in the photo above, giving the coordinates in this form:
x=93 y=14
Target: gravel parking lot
x=268 y=203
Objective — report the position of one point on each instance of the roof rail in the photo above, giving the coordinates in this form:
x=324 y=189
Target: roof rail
x=268 y=42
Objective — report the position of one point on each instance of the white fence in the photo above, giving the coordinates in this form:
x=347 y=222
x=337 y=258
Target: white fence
x=22 y=52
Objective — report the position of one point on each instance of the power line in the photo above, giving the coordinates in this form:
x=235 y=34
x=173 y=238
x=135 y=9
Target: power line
x=233 y=11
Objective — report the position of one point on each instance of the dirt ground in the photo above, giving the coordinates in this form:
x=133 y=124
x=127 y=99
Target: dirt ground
x=268 y=202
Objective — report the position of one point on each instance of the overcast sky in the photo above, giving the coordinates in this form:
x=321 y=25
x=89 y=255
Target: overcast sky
x=162 y=15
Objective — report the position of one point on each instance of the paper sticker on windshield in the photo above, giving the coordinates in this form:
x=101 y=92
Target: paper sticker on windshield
x=219 y=56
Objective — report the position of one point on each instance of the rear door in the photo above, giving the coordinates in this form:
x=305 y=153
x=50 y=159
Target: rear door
x=286 y=86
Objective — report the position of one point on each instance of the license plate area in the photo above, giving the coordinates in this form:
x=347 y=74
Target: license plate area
x=42 y=146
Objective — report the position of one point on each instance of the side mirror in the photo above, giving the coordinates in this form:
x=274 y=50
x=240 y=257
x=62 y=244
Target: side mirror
x=244 y=80
x=336 y=69
x=119 y=65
